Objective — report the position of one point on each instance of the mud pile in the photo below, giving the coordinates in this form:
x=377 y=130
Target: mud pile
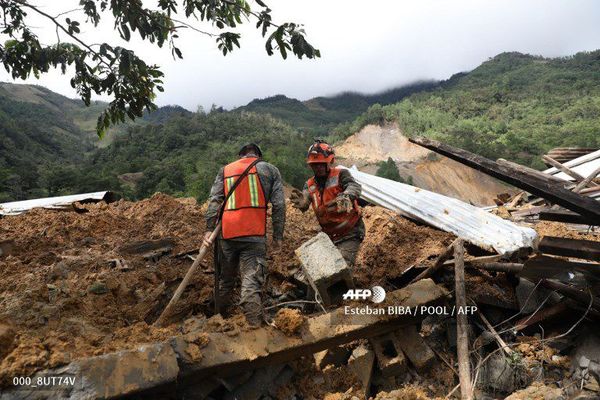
x=65 y=297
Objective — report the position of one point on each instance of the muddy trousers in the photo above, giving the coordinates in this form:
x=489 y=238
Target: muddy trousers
x=349 y=249
x=249 y=258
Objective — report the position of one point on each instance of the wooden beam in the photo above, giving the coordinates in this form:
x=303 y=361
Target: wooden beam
x=585 y=206
x=439 y=262
x=531 y=171
x=547 y=313
x=564 y=169
x=578 y=295
x=542 y=266
x=578 y=248
x=462 y=331
x=566 y=216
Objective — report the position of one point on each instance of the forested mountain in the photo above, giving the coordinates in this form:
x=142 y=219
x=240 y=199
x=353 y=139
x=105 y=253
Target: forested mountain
x=45 y=138
x=319 y=115
x=513 y=106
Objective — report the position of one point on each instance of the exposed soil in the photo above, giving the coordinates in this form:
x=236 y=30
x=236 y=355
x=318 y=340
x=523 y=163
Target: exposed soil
x=374 y=144
x=547 y=228
x=289 y=321
x=65 y=297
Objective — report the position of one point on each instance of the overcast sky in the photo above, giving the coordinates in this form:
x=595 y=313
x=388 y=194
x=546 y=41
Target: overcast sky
x=366 y=46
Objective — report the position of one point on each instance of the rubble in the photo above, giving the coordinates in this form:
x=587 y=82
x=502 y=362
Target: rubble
x=81 y=292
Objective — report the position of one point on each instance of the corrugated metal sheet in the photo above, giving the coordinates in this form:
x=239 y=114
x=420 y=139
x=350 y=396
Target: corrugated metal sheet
x=473 y=224
x=18 y=207
x=583 y=165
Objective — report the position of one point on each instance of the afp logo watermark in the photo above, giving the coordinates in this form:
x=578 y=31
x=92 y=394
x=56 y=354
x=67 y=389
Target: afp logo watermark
x=376 y=294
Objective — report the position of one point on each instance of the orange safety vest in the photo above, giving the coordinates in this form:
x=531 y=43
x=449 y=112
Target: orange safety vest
x=245 y=213
x=334 y=224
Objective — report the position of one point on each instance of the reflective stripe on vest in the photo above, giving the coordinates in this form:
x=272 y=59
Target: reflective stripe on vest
x=245 y=213
x=333 y=223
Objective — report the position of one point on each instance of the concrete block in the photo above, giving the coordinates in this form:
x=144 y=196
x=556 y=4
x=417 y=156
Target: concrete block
x=325 y=268
x=333 y=356
x=415 y=348
x=361 y=364
x=390 y=358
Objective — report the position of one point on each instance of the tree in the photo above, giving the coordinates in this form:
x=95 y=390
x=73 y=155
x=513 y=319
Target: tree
x=389 y=170
x=105 y=69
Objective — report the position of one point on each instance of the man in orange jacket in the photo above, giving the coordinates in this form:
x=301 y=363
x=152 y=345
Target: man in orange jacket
x=333 y=194
x=244 y=224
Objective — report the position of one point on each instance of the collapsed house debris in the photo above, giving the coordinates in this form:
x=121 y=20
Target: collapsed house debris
x=56 y=203
x=503 y=306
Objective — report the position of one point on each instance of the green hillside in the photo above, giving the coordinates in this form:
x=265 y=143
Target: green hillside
x=47 y=137
x=319 y=115
x=513 y=106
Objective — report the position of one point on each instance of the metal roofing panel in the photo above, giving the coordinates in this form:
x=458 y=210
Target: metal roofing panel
x=18 y=207
x=468 y=222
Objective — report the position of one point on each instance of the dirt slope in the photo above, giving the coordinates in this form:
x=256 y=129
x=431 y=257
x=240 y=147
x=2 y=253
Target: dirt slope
x=428 y=170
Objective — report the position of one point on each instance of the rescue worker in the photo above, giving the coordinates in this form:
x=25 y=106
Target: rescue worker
x=333 y=194
x=244 y=221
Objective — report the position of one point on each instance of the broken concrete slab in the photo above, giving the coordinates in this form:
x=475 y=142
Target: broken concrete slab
x=333 y=356
x=361 y=364
x=107 y=376
x=415 y=348
x=325 y=268
x=150 y=368
x=390 y=358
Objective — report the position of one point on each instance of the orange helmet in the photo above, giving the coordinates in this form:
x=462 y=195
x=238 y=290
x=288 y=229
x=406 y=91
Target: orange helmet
x=320 y=152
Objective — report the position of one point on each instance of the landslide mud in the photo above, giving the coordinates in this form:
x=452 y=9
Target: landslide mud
x=65 y=298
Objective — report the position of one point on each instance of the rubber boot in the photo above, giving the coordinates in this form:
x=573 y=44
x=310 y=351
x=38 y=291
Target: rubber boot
x=253 y=313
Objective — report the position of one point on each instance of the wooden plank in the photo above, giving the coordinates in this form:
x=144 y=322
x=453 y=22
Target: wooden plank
x=578 y=248
x=562 y=168
x=555 y=193
x=566 y=216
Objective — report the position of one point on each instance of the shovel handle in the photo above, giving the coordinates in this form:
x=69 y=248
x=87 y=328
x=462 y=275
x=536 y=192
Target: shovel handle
x=201 y=254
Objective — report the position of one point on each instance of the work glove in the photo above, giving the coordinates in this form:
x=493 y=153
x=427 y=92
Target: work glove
x=343 y=203
x=299 y=200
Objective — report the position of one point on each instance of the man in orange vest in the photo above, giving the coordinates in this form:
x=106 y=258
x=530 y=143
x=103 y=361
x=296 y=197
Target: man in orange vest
x=333 y=194
x=244 y=224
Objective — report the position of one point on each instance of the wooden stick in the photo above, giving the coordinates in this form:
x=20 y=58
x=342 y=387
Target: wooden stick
x=439 y=262
x=201 y=254
x=562 y=168
x=462 y=334
x=587 y=180
x=500 y=341
x=515 y=200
